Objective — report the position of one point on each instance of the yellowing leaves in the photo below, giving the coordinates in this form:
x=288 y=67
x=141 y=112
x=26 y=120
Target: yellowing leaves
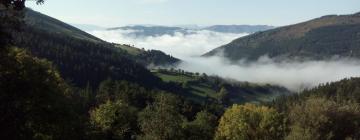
x=250 y=122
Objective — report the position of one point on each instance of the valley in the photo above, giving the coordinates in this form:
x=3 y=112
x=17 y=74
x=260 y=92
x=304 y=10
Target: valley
x=178 y=77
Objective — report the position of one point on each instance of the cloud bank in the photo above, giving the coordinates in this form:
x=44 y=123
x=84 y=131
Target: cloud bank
x=179 y=45
x=295 y=76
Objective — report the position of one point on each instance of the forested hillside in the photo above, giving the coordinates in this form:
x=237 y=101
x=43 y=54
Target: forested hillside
x=82 y=58
x=318 y=39
x=199 y=87
x=149 y=58
x=329 y=111
x=112 y=97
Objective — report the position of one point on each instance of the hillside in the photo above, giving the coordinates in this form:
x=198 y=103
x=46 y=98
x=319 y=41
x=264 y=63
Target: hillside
x=238 y=28
x=344 y=90
x=109 y=94
x=149 y=58
x=43 y=22
x=200 y=87
x=82 y=58
x=321 y=38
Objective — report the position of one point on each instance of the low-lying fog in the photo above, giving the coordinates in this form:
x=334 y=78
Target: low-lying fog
x=188 y=47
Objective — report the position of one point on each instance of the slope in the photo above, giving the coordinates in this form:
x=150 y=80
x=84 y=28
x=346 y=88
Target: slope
x=200 y=87
x=81 y=58
x=321 y=38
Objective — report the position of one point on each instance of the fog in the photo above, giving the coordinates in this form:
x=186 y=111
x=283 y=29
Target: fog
x=179 y=45
x=295 y=76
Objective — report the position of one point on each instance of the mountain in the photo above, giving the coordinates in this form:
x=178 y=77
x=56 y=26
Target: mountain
x=156 y=30
x=49 y=24
x=346 y=89
x=82 y=58
x=149 y=58
x=85 y=60
x=318 y=39
x=238 y=28
x=141 y=30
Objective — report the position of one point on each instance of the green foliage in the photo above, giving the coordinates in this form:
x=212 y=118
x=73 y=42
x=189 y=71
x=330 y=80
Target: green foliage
x=344 y=90
x=155 y=58
x=318 y=39
x=129 y=93
x=36 y=103
x=329 y=111
x=250 y=122
x=82 y=58
x=115 y=119
x=33 y=97
x=161 y=120
x=223 y=95
x=200 y=88
x=17 y=4
x=320 y=119
x=202 y=128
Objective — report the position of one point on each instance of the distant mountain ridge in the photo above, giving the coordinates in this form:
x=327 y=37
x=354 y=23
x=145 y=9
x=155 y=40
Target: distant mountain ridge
x=238 y=28
x=318 y=39
x=141 y=30
x=157 y=30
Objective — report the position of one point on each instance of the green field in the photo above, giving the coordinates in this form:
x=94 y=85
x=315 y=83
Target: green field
x=240 y=92
x=174 y=77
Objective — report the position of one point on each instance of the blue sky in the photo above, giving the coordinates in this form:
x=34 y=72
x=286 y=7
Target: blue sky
x=110 y=13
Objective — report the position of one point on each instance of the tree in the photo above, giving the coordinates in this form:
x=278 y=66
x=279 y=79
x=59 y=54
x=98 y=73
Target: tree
x=202 y=128
x=17 y=4
x=321 y=118
x=161 y=120
x=250 y=122
x=185 y=85
x=223 y=95
x=35 y=102
x=115 y=119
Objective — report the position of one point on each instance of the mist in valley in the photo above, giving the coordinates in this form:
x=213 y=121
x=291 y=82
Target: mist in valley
x=295 y=76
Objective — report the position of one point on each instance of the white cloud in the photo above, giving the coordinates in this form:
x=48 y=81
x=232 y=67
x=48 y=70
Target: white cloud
x=179 y=45
x=295 y=76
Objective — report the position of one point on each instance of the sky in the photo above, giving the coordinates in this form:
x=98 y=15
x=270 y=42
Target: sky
x=111 y=13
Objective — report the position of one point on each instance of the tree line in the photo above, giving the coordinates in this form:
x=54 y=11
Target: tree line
x=37 y=103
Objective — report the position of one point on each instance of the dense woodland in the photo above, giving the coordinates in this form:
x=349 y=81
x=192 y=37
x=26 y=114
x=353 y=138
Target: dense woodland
x=318 y=39
x=199 y=87
x=130 y=102
x=81 y=58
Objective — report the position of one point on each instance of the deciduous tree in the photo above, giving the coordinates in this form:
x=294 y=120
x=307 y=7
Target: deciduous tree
x=250 y=122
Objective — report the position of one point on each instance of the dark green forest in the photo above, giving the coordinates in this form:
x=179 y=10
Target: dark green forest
x=56 y=86
x=78 y=55
x=317 y=39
